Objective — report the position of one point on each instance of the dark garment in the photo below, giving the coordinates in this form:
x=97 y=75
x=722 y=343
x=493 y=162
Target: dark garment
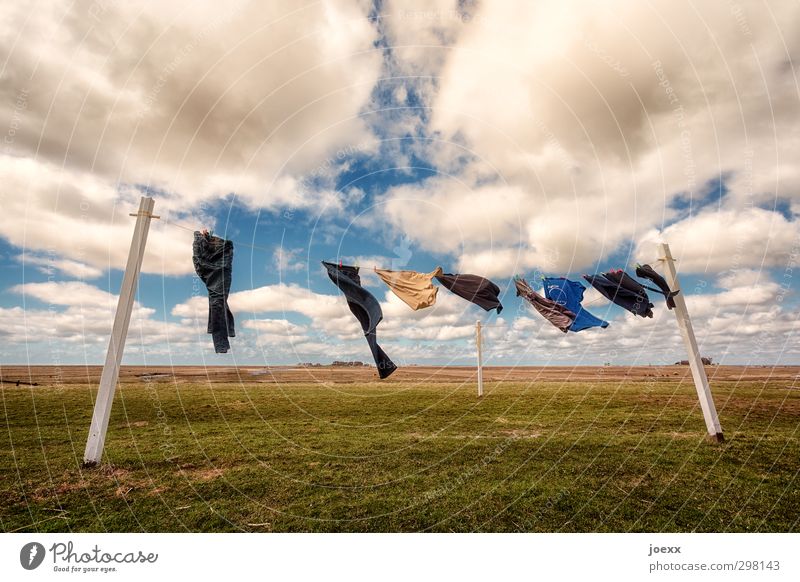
x=478 y=290
x=570 y=294
x=213 y=260
x=366 y=309
x=647 y=272
x=623 y=290
x=553 y=312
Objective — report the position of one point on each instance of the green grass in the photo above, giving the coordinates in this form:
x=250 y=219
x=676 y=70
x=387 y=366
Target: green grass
x=392 y=457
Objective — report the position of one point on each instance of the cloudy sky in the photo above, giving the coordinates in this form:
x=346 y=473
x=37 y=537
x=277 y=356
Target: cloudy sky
x=496 y=138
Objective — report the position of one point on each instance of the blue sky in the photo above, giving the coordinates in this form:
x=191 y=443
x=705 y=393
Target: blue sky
x=406 y=136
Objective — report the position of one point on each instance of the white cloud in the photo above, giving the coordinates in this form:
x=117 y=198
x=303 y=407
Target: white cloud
x=49 y=265
x=562 y=131
x=565 y=130
x=194 y=99
x=716 y=240
x=288 y=260
x=80 y=313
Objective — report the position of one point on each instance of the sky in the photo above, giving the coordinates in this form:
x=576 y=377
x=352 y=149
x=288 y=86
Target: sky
x=497 y=138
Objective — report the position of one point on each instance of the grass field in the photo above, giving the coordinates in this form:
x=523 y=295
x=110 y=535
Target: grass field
x=544 y=456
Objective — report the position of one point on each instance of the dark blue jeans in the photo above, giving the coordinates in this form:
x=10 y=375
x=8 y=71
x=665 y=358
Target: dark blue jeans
x=213 y=261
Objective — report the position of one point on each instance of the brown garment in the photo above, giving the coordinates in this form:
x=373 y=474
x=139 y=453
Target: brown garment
x=553 y=312
x=416 y=289
x=478 y=290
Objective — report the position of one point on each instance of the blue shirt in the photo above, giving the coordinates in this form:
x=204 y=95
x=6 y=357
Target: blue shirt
x=570 y=294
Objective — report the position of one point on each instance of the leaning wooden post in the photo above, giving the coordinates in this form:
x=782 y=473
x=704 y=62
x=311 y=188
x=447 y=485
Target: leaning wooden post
x=478 y=343
x=116 y=345
x=695 y=363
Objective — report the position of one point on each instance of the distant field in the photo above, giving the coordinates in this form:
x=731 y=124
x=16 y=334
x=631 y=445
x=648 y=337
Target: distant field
x=546 y=449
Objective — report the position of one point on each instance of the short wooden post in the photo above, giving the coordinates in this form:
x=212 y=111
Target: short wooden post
x=116 y=344
x=479 y=344
x=695 y=362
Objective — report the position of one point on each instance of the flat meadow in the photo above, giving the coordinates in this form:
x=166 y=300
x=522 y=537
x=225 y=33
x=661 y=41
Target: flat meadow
x=542 y=451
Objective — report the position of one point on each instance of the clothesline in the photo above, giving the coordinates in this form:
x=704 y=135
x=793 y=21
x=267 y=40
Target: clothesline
x=192 y=229
x=200 y=228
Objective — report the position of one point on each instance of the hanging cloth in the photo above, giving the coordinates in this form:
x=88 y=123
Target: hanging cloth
x=478 y=290
x=570 y=294
x=555 y=313
x=623 y=290
x=213 y=262
x=366 y=309
x=415 y=289
x=647 y=272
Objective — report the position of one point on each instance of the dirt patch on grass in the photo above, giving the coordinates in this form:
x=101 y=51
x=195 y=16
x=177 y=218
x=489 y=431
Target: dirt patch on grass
x=57 y=489
x=520 y=433
x=201 y=474
x=105 y=477
x=209 y=474
x=122 y=491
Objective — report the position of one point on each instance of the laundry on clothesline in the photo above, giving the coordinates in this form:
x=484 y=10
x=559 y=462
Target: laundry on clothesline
x=482 y=292
x=366 y=309
x=570 y=295
x=555 y=313
x=561 y=304
x=647 y=272
x=415 y=289
x=213 y=262
x=623 y=290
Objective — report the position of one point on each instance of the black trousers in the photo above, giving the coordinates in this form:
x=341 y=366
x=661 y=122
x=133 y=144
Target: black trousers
x=213 y=263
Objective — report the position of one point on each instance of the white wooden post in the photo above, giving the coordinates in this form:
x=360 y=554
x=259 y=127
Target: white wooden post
x=478 y=343
x=695 y=363
x=116 y=345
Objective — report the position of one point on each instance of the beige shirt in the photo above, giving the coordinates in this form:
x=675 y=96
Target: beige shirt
x=416 y=289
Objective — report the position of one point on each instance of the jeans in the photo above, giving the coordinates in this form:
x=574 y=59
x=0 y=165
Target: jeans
x=213 y=261
x=367 y=310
